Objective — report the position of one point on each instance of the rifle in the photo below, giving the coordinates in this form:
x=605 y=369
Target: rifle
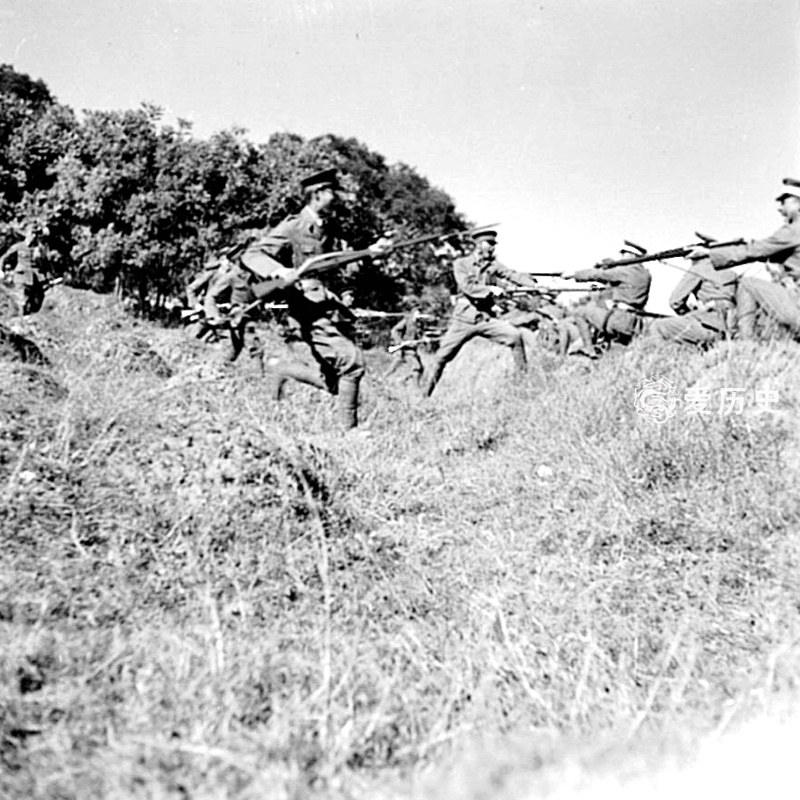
x=544 y=290
x=408 y=344
x=329 y=261
x=190 y=315
x=676 y=252
x=365 y=313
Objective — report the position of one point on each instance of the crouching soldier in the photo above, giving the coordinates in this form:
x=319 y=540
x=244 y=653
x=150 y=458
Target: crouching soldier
x=619 y=318
x=704 y=301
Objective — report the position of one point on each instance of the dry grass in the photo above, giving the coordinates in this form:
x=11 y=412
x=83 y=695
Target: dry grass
x=206 y=595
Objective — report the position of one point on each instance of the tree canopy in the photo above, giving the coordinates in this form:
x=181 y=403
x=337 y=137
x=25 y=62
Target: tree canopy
x=120 y=199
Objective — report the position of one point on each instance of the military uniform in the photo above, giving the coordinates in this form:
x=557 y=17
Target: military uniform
x=781 y=299
x=475 y=313
x=325 y=325
x=712 y=317
x=409 y=329
x=29 y=282
x=619 y=316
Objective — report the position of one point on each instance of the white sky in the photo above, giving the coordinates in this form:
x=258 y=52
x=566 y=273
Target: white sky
x=575 y=123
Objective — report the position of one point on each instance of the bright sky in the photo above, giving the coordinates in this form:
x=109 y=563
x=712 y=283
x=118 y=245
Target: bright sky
x=575 y=123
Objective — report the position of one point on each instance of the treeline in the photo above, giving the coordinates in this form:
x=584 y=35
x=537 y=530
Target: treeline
x=122 y=201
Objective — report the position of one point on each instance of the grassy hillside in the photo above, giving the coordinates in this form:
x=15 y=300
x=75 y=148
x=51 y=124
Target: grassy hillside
x=205 y=594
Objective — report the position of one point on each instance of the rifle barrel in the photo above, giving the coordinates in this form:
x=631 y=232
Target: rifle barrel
x=662 y=255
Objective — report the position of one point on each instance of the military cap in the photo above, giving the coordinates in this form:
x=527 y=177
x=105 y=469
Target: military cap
x=320 y=180
x=486 y=233
x=791 y=188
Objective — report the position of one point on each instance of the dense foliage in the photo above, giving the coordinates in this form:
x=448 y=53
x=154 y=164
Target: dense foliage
x=122 y=200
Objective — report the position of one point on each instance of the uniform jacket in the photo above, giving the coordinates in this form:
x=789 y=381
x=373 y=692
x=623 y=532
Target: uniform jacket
x=474 y=275
x=26 y=272
x=630 y=283
x=297 y=238
x=782 y=247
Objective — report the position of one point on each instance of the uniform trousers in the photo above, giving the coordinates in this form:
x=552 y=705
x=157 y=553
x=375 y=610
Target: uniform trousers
x=696 y=327
x=780 y=302
x=459 y=332
x=338 y=369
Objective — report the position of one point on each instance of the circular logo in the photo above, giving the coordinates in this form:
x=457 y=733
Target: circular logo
x=655 y=399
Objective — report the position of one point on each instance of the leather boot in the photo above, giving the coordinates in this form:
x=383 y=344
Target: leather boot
x=348 y=402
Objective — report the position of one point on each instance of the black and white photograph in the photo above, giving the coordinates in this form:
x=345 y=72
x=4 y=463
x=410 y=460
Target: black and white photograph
x=399 y=399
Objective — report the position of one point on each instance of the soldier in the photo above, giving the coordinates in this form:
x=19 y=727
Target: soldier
x=704 y=301
x=324 y=323
x=404 y=342
x=197 y=288
x=29 y=282
x=618 y=317
x=204 y=293
x=781 y=297
x=288 y=245
x=475 y=312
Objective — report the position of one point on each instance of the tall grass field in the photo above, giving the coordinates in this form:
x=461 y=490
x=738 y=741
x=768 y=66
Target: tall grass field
x=511 y=589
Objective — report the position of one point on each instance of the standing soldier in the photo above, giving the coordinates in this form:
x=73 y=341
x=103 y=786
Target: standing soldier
x=29 y=282
x=618 y=317
x=475 y=313
x=781 y=297
x=704 y=301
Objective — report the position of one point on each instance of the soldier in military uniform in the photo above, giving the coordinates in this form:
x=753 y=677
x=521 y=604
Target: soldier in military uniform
x=323 y=322
x=28 y=279
x=404 y=339
x=618 y=317
x=781 y=297
x=285 y=247
x=704 y=301
x=475 y=313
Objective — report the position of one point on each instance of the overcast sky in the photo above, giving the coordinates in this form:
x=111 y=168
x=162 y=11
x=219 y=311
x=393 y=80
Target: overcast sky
x=575 y=123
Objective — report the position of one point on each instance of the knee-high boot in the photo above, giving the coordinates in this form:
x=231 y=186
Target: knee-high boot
x=348 y=401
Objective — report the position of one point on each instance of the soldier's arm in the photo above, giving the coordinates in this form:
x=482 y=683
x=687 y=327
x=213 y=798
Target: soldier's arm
x=513 y=277
x=785 y=238
x=197 y=285
x=599 y=275
x=11 y=250
x=396 y=333
x=277 y=282
x=686 y=287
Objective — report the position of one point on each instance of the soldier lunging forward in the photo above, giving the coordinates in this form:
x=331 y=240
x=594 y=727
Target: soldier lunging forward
x=475 y=312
